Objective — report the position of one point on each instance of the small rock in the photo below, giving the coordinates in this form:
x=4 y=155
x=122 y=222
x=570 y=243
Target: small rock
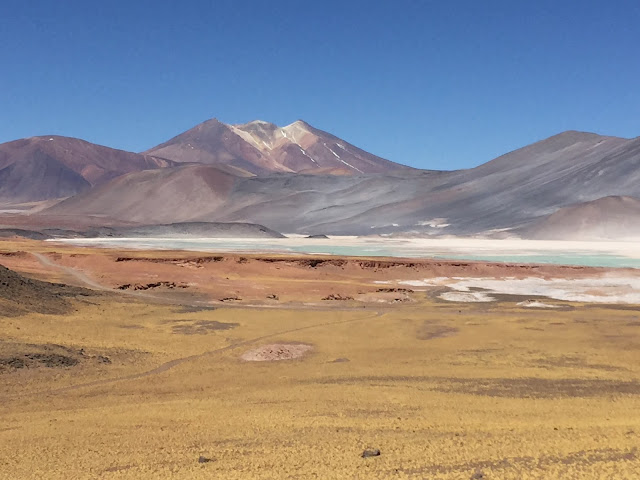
x=230 y=299
x=337 y=296
x=202 y=459
x=273 y=296
x=371 y=452
x=479 y=475
x=340 y=360
x=394 y=290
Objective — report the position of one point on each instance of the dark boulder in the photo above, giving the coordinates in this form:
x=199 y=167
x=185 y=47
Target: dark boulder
x=370 y=452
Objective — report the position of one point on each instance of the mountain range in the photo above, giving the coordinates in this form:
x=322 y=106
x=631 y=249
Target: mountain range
x=304 y=180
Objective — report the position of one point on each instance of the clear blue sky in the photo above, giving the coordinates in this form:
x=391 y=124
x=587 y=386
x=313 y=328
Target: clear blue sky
x=434 y=84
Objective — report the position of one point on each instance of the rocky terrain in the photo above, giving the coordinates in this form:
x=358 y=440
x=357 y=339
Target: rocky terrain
x=20 y=295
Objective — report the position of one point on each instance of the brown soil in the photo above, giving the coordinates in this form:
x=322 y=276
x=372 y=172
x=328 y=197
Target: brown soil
x=261 y=279
x=276 y=352
x=435 y=268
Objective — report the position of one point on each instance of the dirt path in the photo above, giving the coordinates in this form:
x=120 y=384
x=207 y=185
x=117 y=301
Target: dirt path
x=78 y=275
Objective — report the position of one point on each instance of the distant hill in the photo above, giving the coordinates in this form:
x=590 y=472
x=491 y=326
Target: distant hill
x=194 y=229
x=170 y=195
x=608 y=218
x=171 y=230
x=260 y=147
x=42 y=168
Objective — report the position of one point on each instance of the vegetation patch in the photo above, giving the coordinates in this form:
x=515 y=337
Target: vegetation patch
x=430 y=331
x=202 y=327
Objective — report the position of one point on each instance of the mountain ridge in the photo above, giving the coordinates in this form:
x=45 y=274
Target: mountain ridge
x=530 y=183
x=260 y=173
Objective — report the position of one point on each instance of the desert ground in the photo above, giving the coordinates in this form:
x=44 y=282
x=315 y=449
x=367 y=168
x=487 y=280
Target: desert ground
x=167 y=364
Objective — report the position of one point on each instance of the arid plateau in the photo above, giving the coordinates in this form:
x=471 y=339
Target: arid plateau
x=172 y=364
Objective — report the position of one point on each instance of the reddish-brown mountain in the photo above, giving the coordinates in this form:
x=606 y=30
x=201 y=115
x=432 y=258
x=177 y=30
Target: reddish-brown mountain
x=260 y=147
x=41 y=168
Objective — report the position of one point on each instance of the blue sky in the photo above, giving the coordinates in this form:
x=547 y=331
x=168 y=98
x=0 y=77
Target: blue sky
x=447 y=84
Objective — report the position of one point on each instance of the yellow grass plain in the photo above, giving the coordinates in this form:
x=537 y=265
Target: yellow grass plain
x=444 y=390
